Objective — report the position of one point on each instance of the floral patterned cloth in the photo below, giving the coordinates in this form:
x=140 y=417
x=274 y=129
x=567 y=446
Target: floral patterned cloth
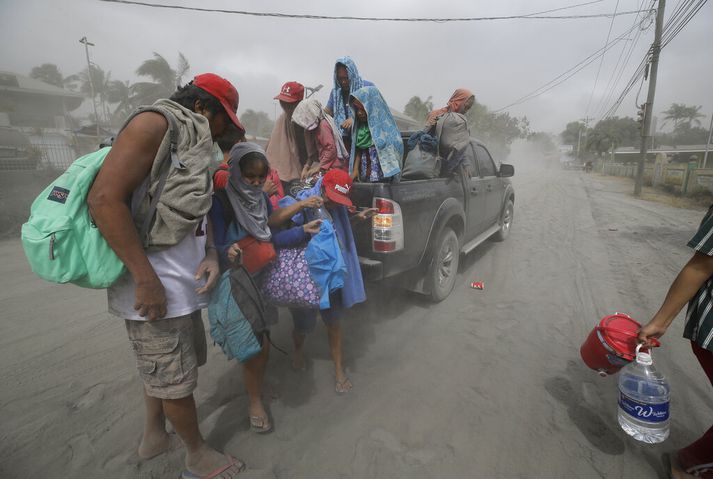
x=287 y=281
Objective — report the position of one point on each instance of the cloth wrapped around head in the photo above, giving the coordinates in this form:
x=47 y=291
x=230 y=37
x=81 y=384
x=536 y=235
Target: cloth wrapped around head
x=249 y=202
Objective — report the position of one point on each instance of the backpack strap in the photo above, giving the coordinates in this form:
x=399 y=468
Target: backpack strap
x=172 y=156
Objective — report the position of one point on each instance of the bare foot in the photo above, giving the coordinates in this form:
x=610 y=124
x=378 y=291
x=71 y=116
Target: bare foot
x=207 y=461
x=152 y=446
x=298 y=362
x=343 y=384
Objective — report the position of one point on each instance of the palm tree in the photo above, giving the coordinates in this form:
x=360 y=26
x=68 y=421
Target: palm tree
x=99 y=84
x=122 y=95
x=165 y=78
x=682 y=115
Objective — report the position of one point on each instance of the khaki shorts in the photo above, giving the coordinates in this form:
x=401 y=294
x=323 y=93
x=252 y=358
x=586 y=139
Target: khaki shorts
x=168 y=353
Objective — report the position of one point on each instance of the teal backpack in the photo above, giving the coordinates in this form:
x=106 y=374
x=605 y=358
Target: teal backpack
x=61 y=241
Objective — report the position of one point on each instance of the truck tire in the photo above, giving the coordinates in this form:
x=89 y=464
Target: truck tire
x=505 y=221
x=444 y=267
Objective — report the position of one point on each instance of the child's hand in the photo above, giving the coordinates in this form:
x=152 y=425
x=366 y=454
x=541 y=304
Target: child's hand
x=366 y=214
x=269 y=187
x=235 y=254
x=312 y=227
x=312 y=202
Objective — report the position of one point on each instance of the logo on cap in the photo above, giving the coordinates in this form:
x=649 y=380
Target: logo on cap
x=342 y=189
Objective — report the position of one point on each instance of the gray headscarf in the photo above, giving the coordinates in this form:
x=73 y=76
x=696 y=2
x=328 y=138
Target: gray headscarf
x=248 y=202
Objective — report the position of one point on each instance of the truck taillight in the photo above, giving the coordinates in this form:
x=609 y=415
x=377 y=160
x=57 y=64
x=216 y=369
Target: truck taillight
x=387 y=226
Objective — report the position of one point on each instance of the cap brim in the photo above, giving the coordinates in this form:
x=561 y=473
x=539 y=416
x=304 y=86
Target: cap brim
x=288 y=99
x=338 y=198
x=233 y=117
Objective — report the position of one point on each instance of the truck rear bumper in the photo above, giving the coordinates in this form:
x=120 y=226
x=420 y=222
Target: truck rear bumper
x=371 y=269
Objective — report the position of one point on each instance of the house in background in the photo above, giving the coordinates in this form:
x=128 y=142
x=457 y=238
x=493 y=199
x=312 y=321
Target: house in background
x=39 y=112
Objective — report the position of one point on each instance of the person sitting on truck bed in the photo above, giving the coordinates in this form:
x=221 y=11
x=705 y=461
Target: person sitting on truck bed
x=346 y=82
x=377 y=148
x=461 y=101
x=454 y=138
x=322 y=136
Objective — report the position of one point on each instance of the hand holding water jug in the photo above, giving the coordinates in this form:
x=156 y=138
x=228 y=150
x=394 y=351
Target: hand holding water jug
x=644 y=397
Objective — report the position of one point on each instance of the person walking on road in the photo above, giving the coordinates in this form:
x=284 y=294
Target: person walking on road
x=169 y=279
x=693 y=285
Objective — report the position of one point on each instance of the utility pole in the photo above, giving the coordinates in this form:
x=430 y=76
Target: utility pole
x=87 y=44
x=708 y=143
x=649 y=105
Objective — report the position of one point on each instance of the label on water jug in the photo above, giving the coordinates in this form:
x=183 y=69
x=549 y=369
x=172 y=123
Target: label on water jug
x=642 y=411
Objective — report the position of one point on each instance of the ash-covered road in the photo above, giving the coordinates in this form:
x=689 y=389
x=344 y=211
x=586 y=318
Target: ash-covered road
x=487 y=384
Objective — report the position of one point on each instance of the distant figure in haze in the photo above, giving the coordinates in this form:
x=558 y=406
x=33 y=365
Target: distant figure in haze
x=346 y=82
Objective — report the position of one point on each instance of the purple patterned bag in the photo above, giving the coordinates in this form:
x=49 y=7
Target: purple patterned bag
x=287 y=281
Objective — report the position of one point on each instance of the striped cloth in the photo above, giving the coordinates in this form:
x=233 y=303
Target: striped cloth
x=699 y=318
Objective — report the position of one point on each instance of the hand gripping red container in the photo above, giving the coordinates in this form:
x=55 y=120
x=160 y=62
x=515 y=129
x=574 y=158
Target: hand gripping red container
x=612 y=344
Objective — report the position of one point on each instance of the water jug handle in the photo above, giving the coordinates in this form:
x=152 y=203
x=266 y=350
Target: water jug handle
x=654 y=342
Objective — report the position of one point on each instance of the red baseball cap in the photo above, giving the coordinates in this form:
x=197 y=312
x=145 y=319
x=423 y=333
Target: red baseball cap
x=291 y=92
x=223 y=91
x=337 y=185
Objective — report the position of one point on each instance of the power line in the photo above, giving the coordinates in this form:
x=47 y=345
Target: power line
x=682 y=15
x=601 y=61
x=568 y=73
x=529 y=16
x=613 y=83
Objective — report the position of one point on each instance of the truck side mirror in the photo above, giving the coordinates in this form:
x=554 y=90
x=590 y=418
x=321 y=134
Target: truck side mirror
x=506 y=171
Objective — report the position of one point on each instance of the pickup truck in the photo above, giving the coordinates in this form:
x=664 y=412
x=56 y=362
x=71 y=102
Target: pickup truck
x=423 y=226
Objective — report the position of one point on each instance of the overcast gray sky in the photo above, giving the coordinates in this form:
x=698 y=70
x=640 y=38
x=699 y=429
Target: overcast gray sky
x=499 y=60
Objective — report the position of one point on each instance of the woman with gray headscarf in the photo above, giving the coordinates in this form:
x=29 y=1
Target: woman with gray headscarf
x=243 y=210
x=322 y=135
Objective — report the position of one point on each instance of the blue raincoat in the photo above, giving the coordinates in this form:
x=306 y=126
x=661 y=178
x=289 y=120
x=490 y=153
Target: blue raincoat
x=326 y=262
x=353 y=290
x=384 y=132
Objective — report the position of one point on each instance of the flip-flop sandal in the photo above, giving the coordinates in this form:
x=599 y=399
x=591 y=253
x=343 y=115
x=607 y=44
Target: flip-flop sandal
x=260 y=424
x=234 y=467
x=339 y=388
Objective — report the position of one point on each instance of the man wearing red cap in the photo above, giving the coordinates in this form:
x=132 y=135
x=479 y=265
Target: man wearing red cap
x=286 y=150
x=171 y=269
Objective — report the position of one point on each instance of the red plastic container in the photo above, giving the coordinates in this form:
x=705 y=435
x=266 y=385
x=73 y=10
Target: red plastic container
x=612 y=344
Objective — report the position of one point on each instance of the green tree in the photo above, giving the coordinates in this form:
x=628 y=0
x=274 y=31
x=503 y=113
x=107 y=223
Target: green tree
x=570 y=135
x=543 y=141
x=497 y=130
x=682 y=114
x=418 y=109
x=48 y=73
x=165 y=79
x=257 y=123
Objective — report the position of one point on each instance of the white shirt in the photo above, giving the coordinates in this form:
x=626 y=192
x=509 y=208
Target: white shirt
x=176 y=268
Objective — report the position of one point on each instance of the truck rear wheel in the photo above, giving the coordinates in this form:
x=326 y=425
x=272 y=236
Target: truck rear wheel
x=505 y=222
x=444 y=267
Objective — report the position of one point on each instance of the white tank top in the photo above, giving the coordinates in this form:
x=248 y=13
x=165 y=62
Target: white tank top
x=176 y=268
